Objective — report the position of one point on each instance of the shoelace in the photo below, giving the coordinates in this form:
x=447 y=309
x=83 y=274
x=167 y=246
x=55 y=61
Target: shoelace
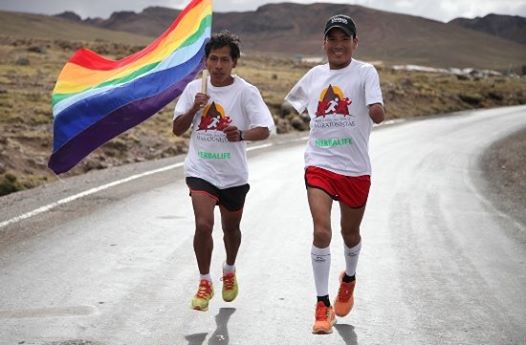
x=344 y=292
x=322 y=313
x=204 y=290
x=228 y=281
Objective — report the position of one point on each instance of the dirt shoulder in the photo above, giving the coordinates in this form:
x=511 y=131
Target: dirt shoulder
x=504 y=168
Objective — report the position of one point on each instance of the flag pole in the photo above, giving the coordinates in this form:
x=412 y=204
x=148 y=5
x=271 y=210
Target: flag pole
x=204 y=81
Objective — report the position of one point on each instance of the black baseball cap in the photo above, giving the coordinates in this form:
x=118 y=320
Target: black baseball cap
x=343 y=22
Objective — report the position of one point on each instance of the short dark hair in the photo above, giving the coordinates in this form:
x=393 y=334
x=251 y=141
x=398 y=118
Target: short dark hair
x=223 y=39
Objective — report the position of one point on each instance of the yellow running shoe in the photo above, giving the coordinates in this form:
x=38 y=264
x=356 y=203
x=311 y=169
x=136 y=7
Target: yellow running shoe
x=204 y=294
x=324 y=319
x=230 y=287
x=345 y=299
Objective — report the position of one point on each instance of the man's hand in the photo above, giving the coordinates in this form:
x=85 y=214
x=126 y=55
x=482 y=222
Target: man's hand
x=232 y=133
x=183 y=122
x=376 y=112
x=200 y=101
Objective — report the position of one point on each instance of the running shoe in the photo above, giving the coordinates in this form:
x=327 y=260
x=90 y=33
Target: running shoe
x=325 y=319
x=230 y=287
x=204 y=294
x=345 y=299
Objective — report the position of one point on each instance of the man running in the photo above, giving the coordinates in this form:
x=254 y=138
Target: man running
x=343 y=99
x=216 y=171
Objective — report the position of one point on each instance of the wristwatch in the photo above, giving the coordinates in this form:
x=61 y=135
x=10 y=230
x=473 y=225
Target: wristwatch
x=241 y=135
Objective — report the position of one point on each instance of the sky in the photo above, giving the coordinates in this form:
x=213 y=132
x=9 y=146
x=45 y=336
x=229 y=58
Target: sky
x=441 y=10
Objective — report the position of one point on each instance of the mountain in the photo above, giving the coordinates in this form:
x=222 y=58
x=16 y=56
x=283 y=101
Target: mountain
x=290 y=29
x=512 y=28
x=69 y=15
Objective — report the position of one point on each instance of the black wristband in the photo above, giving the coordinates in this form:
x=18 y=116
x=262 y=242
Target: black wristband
x=241 y=135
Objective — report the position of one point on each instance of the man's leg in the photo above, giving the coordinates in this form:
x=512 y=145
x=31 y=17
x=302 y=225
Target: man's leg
x=320 y=207
x=203 y=206
x=232 y=237
x=351 y=219
x=231 y=233
x=320 y=204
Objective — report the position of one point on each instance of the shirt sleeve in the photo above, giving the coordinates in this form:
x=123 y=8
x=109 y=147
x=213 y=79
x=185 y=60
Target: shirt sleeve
x=257 y=111
x=185 y=101
x=373 y=92
x=298 y=96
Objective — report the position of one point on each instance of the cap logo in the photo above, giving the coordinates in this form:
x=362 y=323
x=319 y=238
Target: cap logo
x=339 y=20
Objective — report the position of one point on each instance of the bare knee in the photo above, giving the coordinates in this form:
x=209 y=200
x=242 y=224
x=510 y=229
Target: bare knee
x=232 y=230
x=322 y=236
x=351 y=238
x=203 y=228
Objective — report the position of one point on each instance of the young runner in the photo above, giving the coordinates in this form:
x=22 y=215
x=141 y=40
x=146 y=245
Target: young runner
x=231 y=112
x=343 y=99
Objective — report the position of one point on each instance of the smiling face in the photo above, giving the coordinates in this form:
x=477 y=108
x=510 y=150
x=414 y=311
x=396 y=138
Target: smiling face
x=220 y=64
x=339 y=48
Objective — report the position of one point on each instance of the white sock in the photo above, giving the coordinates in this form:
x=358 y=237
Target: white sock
x=321 y=265
x=351 y=258
x=205 y=277
x=228 y=268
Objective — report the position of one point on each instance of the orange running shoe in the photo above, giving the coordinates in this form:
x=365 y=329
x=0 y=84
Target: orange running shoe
x=204 y=294
x=230 y=287
x=345 y=299
x=325 y=319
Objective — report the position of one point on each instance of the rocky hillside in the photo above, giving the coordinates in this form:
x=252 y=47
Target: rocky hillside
x=289 y=29
x=512 y=28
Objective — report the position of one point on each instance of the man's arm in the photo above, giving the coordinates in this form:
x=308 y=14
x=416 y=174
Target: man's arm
x=376 y=112
x=257 y=133
x=182 y=123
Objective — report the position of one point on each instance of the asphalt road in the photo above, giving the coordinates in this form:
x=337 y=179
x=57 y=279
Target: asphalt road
x=439 y=265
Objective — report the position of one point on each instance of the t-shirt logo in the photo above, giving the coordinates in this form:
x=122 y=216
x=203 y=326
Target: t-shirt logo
x=333 y=101
x=214 y=118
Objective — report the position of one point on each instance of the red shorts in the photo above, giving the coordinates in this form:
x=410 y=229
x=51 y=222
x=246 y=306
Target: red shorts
x=350 y=190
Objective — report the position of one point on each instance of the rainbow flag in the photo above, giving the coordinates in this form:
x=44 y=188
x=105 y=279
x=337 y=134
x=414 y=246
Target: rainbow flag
x=96 y=99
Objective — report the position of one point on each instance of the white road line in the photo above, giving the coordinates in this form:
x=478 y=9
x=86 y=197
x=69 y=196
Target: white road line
x=100 y=188
x=252 y=148
x=85 y=193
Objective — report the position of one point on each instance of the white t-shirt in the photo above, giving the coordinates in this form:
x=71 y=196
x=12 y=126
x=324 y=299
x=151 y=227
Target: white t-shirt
x=337 y=103
x=211 y=156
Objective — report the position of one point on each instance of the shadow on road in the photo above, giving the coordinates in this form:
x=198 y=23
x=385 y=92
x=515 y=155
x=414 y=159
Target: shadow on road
x=196 y=339
x=220 y=335
x=347 y=333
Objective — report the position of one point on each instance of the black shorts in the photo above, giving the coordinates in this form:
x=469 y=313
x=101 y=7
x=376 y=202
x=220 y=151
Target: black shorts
x=233 y=198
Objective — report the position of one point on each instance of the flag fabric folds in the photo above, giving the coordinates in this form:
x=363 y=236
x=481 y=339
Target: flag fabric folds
x=95 y=98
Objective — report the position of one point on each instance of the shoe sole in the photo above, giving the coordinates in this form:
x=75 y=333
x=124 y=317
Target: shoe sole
x=343 y=315
x=199 y=308
x=324 y=331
